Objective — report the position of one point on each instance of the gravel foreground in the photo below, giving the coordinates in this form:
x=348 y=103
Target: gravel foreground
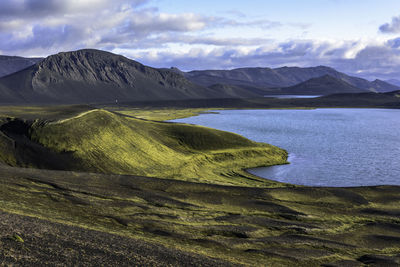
x=43 y=243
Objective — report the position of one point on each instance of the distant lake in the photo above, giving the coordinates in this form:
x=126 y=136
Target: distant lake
x=293 y=96
x=327 y=147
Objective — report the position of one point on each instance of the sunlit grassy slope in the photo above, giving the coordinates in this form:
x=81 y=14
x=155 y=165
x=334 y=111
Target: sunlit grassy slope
x=106 y=142
x=160 y=114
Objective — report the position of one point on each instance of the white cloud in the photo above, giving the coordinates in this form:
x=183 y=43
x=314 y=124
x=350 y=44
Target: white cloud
x=354 y=49
x=392 y=27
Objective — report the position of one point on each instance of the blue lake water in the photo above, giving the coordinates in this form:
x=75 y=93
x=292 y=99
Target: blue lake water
x=293 y=96
x=327 y=147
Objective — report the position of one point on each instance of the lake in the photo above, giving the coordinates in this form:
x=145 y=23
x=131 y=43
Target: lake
x=327 y=147
x=293 y=96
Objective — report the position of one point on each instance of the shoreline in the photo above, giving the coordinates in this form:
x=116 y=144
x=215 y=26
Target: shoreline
x=311 y=183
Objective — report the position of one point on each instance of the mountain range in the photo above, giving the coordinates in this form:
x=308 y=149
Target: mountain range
x=281 y=77
x=323 y=85
x=95 y=76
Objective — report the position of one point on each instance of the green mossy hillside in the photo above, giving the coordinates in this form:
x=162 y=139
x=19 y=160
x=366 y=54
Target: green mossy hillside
x=106 y=142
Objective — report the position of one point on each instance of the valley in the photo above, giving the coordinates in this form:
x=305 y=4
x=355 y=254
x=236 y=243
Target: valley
x=91 y=171
x=210 y=211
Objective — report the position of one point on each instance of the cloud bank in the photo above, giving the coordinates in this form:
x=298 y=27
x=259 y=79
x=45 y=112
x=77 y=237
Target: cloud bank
x=42 y=26
x=361 y=58
x=138 y=29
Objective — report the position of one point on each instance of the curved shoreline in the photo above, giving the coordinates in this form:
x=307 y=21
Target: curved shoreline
x=325 y=140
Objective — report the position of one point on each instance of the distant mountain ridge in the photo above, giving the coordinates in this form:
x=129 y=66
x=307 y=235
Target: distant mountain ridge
x=11 y=64
x=281 y=77
x=87 y=76
x=323 y=85
x=95 y=76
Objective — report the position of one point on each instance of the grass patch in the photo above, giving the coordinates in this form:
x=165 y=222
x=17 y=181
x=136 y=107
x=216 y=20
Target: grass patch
x=17 y=238
x=163 y=114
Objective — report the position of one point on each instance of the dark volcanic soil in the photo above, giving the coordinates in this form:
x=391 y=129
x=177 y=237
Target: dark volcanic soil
x=168 y=222
x=47 y=243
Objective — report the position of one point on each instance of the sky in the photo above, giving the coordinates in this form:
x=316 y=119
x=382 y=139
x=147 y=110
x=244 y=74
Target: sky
x=358 y=37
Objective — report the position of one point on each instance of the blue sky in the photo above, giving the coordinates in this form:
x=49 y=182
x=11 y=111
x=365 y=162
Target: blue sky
x=360 y=37
x=326 y=18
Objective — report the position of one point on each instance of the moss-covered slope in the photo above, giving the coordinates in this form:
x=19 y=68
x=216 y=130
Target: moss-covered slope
x=106 y=142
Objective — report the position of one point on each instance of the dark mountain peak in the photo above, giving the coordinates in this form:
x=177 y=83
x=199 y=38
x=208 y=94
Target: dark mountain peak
x=322 y=67
x=378 y=81
x=95 y=66
x=81 y=55
x=84 y=58
x=382 y=86
x=91 y=75
x=86 y=65
x=177 y=70
x=88 y=53
x=322 y=85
